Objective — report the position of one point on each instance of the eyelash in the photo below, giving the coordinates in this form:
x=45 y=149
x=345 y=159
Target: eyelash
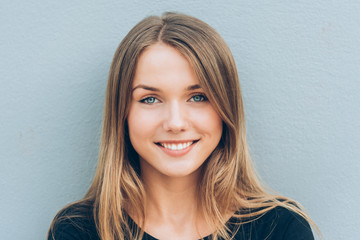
x=204 y=98
x=146 y=99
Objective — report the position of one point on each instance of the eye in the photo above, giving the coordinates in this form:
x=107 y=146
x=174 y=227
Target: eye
x=198 y=98
x=149 y=100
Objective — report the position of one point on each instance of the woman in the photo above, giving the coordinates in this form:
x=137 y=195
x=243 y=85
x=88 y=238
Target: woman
x=173 y=161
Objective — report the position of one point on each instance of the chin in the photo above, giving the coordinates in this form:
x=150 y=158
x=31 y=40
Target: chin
x=179 y=170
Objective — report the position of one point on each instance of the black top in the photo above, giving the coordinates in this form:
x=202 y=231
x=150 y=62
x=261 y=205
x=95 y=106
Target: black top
x=276 y=224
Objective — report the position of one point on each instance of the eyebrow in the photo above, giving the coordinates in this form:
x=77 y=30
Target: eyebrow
x=146 y=88
x=193 y=87
x=189 y=88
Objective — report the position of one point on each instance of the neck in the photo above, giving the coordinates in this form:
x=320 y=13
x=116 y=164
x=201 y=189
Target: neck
x=171 y=205
x=171 y=198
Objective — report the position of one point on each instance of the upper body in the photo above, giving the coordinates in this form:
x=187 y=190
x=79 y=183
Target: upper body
x=173 y=154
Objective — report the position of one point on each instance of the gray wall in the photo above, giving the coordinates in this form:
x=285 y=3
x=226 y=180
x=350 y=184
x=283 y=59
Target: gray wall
x=299 y=64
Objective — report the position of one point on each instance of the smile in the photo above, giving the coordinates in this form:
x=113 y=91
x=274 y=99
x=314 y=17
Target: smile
x=176 y=146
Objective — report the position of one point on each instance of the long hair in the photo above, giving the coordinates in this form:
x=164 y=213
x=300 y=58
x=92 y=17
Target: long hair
x=228 y=181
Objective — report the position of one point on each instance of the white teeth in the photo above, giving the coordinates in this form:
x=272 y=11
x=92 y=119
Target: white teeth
x=173 y=146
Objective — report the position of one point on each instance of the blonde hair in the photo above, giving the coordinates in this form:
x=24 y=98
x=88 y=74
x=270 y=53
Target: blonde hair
x=228 y=183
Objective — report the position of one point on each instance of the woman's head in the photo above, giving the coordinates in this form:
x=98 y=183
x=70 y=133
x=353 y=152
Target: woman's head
x=171 y=124
x=207 y=54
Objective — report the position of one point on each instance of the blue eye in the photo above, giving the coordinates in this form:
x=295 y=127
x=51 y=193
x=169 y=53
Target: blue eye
x=198 y=98
x=149 y=100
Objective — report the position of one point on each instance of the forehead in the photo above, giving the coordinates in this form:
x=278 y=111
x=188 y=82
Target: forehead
x=160 y=64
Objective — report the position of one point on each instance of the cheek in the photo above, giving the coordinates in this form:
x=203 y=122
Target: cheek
x=208 y=120
x=141 y=124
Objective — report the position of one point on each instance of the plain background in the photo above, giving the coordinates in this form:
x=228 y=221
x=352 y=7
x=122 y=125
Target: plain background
x=299 y=65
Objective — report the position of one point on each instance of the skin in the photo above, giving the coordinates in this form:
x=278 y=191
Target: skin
x=174 y=129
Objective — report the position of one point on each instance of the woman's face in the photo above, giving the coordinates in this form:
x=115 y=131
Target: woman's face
x=172 y=125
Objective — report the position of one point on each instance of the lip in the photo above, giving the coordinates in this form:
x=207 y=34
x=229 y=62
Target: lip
x=177 y=152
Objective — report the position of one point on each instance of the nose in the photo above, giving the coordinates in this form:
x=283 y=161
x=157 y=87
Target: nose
x=176 y=118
